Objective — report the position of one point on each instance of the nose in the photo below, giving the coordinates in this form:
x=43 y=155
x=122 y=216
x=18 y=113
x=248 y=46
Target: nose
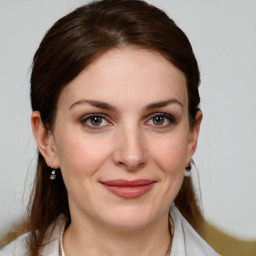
x=130 y=149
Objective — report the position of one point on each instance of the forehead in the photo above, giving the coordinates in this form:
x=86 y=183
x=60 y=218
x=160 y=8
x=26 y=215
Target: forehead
x=123 y=75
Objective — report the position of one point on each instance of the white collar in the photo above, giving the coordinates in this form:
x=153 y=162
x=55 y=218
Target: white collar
x=186 y=241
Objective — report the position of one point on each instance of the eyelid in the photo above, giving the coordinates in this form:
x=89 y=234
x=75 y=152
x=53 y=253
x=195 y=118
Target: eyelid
x=172 y=120
x=88 y=116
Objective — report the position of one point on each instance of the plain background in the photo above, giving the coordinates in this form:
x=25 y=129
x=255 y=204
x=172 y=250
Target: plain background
x=223 y=35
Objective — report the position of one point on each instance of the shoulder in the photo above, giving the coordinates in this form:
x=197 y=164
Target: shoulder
x=19 y=247
x=186 y=241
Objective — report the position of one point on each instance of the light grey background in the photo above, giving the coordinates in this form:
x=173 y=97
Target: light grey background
x=223 y=35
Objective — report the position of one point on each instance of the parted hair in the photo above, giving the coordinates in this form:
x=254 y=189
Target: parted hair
x=68 y=47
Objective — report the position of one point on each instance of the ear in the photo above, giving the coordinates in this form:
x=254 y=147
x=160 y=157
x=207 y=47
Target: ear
x=193 y=136
x=44 y=140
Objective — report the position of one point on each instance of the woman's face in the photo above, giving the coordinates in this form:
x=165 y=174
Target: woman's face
x=122 y=138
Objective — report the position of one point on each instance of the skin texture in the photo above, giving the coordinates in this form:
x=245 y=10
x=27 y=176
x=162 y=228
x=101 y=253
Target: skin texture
x=133 y=139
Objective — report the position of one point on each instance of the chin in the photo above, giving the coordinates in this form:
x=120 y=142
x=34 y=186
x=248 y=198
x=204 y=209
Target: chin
x=131 y=217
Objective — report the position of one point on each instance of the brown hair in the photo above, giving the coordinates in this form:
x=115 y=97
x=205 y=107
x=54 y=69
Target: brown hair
x=68 y=47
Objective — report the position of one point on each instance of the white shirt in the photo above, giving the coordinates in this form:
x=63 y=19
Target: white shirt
x=186 y=242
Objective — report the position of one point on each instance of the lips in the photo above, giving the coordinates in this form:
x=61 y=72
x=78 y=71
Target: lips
x=129 y=189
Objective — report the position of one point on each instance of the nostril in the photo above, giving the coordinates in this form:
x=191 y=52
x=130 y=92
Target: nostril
x=132 y=164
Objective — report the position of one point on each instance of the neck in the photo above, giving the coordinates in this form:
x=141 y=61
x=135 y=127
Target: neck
x=102 y=240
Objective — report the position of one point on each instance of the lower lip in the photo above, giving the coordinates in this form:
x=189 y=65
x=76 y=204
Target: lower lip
x=130 y=192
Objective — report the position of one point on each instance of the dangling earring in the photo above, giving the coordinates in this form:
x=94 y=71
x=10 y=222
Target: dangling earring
x=53 y=174
x=188 y=168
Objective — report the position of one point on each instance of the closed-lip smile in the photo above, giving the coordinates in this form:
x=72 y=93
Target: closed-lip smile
x=129 y=189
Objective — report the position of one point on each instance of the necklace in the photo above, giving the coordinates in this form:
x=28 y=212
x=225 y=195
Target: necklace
x=61 y=249
x=62 y=253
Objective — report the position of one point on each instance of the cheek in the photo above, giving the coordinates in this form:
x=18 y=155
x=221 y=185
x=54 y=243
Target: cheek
x=171 y=154
x=80 y=159
x=171 y=160
x=81 y=155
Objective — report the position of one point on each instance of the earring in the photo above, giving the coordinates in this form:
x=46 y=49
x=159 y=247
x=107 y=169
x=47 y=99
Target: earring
x=53 y=174
x=188 y=168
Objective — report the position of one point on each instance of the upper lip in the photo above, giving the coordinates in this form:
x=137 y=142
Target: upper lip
x=128 y=183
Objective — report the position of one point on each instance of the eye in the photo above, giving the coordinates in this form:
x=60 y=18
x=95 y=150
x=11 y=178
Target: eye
x=161 y=120
x=95 y=121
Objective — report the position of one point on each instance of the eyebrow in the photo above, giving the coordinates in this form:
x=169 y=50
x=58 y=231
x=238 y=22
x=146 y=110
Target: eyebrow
x=161 y=104
x=106 y=106
x=95 y=103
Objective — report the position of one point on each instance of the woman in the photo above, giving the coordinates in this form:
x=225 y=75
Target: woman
x=114 y=93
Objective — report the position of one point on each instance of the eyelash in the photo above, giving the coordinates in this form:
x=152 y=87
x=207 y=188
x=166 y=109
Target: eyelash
x=89 y=118
x=166 y=118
